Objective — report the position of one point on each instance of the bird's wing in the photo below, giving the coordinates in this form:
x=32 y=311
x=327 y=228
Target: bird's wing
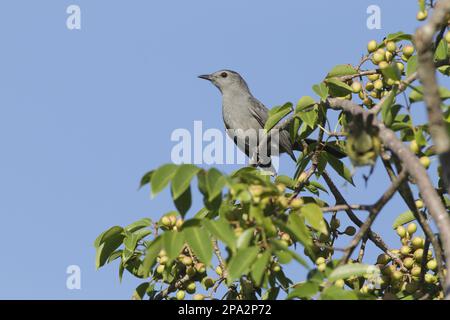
x=261 y=114
x=259 y=111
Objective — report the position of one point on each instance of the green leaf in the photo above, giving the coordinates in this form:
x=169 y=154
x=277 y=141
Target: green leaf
x=387 y=111
x=244 y=239
x=276 y=114
x=240 y=263
x=215 y=183
x=140 y=224
x=355 y=269
x=183 y=203
x=146 y=179
x=139 y=292
x=150 y=257
x=441 y=50
x=106 y=244
x=314 y=216
x=321 y=90
x=336 y=293
x=182 y=179
x=287 y=181
x=300 y=231
x=404 y=218
x=199 y=241
x=259 y=267
x=173 y=242
x=130 y=241
x=309 y=117
x=416 y=94
x=161 y=177
x=338 y=88
x=420 y=138
x=304 y=290
x=392 y=72
x=398 y=36
x=284 y=257
x=281 y=246
x=342 y=70
x=338 y=166
x=222 y=231
x=304 y=103
x=318 y=186
x=412 y=66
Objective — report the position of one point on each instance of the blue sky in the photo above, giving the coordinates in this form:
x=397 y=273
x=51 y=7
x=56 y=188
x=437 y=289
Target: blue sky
x=85 y=113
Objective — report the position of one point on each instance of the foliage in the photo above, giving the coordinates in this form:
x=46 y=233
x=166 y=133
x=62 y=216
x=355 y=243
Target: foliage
x=252 y=225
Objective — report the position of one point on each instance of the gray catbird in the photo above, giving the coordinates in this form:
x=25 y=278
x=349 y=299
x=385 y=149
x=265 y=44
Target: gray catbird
x=241 y=110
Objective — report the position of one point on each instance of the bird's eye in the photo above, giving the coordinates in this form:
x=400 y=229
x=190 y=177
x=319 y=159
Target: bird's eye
x=224 y=74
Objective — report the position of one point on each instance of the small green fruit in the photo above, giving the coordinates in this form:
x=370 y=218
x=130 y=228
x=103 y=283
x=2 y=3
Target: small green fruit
x=378 y=85
x=356 y=87
x=350 y=231
x=200 y=267
x=372 y=46
x=320 y=260
x=335 y=223
x=408 y=50
x=322 y=267
x=412 y=228
x=422 y=15
x=417 y=243
x=187 y=261
x=191 y=287
x=281 y=188
x=181 y=294
x=418 y=255
x=286 y=237
x=429 y=278
x=208 y=282
x=397 y=275
x=163 y=259
x=405 y=250
x=425 y=161
x=447 y=37
x=416 y=271
x=391 y=46
x=297 y=203
x=165 y=221
x=408 y=262
x=432 y=265
x=160 y=269
x=414 y=147
x=401 y=231
x=383 y=259
x=383 y=65
x=373 y=77
x=339 y=283
x=369 y=86
x=419 y=204
x=378 y=57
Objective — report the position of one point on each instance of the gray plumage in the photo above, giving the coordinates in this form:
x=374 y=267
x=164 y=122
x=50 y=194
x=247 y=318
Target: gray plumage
x=241 y=110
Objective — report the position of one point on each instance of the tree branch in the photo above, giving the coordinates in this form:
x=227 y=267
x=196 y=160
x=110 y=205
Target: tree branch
x=427 y=74
x=412 y=164
x=373 y=213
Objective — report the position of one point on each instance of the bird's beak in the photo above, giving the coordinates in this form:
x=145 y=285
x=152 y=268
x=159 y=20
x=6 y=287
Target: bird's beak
x=206 y=77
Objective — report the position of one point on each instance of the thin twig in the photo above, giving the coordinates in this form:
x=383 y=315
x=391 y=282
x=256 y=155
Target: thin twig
x=374 y=211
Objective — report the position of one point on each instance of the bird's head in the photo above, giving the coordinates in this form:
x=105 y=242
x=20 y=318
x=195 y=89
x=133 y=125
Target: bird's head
x=226 y=80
